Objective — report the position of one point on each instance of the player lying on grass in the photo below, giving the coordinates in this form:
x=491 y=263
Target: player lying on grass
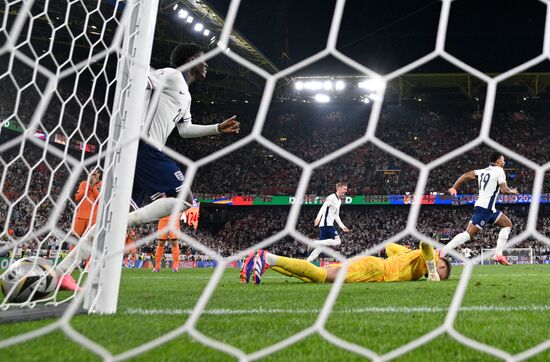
x=402 y=264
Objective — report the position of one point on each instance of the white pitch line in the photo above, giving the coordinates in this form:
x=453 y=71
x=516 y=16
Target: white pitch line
x=398 y=310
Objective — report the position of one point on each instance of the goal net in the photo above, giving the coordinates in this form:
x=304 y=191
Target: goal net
x=54 y=138
x=514 y=256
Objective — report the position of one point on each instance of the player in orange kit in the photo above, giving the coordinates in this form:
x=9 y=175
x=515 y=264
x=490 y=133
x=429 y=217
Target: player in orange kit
x=86 y=213
x=132 y=251
x=402 y=264
x=87 y=195
x=174 y=240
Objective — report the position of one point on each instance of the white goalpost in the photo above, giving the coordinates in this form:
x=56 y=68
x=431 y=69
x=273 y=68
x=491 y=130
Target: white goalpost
x=51 y=148
x=105 y=270
x=514 y=256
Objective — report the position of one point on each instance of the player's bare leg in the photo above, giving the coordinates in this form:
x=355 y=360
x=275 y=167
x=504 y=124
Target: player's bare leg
x=506 y=226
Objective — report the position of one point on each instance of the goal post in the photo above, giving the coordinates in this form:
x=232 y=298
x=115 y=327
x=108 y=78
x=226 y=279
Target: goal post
x=514 y=256
x=105 y=268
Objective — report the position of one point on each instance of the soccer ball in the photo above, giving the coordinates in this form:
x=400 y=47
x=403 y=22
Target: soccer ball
x=27 y=276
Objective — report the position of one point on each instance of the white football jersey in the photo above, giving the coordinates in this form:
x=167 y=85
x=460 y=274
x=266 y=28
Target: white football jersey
x=174 y=105
x=330 y=211
x=489 y=180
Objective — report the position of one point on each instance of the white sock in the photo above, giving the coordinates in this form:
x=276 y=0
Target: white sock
x=457 y=240
x=81 y=251
x=314 y=254
x=153 y=212
x=271 y=259
x=502 y=239
x=327 y=242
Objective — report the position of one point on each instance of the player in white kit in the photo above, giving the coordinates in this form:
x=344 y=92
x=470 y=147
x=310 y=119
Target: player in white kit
x=491 y=180
x=330 y=212
x=157 y=175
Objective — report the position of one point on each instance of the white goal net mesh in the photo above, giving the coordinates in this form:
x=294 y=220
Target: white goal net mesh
x=54 y=102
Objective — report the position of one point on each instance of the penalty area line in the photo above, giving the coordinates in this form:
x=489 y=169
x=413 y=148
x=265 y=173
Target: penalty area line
x=397 y=310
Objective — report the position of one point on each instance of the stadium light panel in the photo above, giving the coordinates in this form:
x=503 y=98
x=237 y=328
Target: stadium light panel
x=372 y=84
x=189 y=19
x=374 y=97
x=206 y=32
x=322 y=98
x=313 y=85
x=299 y=85
x=327 y=85
x=198 y=27
x=175 y=7
x=183 y=13
x=340 y=85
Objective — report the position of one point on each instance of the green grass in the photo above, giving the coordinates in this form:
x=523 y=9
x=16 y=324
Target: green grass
x=518 y=287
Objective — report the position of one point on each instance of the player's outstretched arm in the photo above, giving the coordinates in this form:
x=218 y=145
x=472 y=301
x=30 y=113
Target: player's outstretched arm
x=428 y=254
x=467 y=176
x=189 y=130
x=507 y=190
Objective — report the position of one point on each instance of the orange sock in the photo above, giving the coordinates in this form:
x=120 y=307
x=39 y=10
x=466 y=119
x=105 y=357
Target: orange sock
x=159 y=254
x=175 y=256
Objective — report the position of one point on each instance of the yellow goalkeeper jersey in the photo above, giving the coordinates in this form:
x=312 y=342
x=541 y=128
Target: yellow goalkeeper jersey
x=402 y=264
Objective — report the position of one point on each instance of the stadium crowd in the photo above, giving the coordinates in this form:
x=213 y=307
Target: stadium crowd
x=33 y=179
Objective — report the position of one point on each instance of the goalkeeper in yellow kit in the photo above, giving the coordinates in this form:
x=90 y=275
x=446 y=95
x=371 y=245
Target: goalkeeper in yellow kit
x=402 y=264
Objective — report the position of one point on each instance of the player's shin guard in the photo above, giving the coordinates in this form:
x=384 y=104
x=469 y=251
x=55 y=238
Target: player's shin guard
x=302 y=268
x=457 y=240
x=502 y=239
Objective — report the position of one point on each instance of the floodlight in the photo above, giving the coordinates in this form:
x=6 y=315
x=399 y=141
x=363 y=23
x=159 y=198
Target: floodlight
x=189 y=19
x=327 y=85
x=198 y=27
x=299 y=85
x=206 y=32
x=322 y=98
x=372 y=84
x=183 y=14
x=175 y=7
x=340 y=85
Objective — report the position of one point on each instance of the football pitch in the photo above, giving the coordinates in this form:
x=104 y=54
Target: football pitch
x=508 y=308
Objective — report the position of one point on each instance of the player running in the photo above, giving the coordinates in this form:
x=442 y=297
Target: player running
x=329 y=212
x=491 y=180
x=402 y=264
x=156 y=174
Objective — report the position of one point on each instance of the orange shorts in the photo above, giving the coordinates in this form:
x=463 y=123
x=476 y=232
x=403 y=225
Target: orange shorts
x=163 y=223
x=364 y=269
x=80 y=226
